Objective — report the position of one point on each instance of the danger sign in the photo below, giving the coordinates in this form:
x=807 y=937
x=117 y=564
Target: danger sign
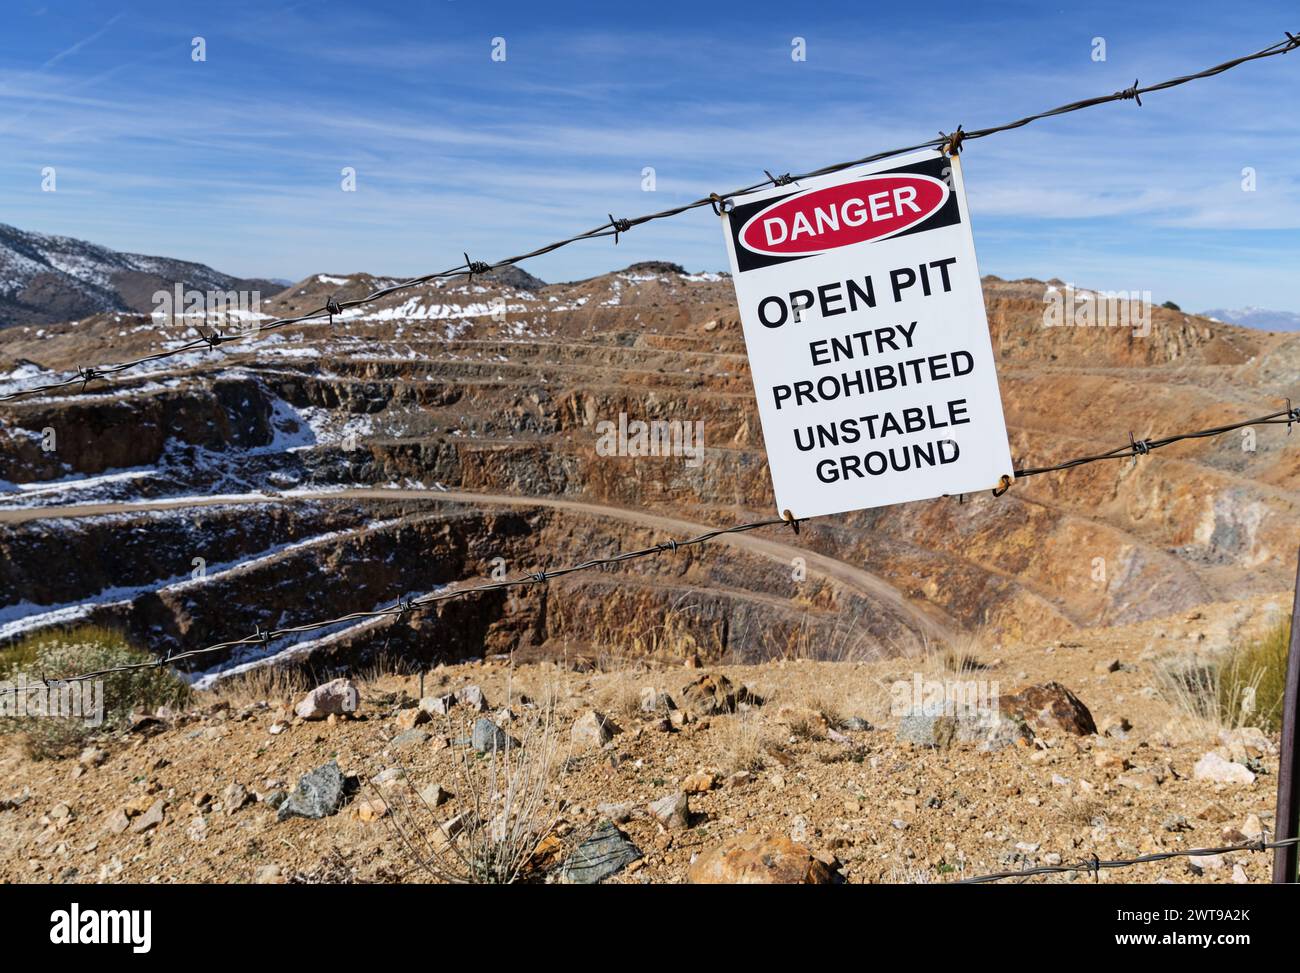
x=869 y=348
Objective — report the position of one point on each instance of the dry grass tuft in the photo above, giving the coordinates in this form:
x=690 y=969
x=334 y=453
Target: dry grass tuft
x=505 y=802
x=1252 y=680
x=262 y=684
x=1242 y=687
x=744 y=742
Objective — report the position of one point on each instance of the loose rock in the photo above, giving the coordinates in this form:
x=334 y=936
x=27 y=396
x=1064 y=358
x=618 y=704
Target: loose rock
x=592 y=730
x=434 y=795
x=992 y=731
x=117 y=822
x=371 y=809
x=748 y=859
x=655 y=702
x=150 y=819
x=698 y=783
x=269 y=875
x=488 y=737
x=318 y=794
x=1213 y=767
x=1049 y=707
x=438 y=705
x=411 y=738
x=606 y=852
x=409 y=719
x=333 y=698
x=234 y=797
x=472 y=697
x=713 y=694
x=673 y=812
x=92 y=757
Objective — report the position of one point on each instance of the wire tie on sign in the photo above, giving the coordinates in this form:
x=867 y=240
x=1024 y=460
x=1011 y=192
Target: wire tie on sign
x=785 y=180
x=1004 y=484
x=333 y=308
x=620 y=226
x=475 y=266
x=721 y=206
x=1140 y=447
x=791 y=519
x=952 y=143
x=1130 y=94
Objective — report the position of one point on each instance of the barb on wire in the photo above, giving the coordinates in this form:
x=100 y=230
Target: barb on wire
x=264 y=637
x=721 y=203
x=1095 y=865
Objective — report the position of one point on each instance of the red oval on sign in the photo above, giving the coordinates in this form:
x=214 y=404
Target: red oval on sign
x=818 y=220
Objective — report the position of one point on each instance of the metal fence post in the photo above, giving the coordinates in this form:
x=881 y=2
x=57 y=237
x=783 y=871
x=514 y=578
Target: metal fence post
x=1288 y=776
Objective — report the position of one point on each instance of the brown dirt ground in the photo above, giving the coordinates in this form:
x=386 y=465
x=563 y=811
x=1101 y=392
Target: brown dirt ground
x=887 y=811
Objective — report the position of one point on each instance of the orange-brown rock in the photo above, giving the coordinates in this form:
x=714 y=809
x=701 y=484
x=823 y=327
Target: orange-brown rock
x=1049 y=707
x=759 y=860
x=713 y=693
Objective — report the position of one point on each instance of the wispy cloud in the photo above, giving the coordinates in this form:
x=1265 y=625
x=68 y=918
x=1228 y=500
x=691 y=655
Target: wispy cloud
x=84 y=42
x=236 y=161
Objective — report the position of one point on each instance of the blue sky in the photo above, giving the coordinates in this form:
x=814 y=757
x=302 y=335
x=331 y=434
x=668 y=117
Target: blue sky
x=236 y=161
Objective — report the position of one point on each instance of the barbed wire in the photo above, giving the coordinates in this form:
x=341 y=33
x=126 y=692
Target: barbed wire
x=1141 y=447
x=950 y=143
x=408 y=606
x=1095 y=865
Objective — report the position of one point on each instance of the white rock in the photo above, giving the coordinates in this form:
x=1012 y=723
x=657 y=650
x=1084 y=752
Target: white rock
x=434 y=795
x=389 y=777
x=438 y=705
x=1213 y=767
x=592 y=729
x=92 y=757
x=269 y=875
x=472 y=696
x=331 y=699
x=673 y=811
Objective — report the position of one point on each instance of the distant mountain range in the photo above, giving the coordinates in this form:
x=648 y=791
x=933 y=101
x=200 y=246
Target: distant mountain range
x=1257 y=317
x=45 y=279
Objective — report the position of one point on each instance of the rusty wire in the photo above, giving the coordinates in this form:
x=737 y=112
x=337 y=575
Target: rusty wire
x=1141 y=447
x=1095 y=865
x=615 y=227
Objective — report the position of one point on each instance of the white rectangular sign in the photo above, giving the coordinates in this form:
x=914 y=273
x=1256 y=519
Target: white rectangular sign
x=868 y=344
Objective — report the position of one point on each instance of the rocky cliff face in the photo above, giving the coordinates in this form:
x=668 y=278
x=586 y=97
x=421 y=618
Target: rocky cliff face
x=497 y=391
